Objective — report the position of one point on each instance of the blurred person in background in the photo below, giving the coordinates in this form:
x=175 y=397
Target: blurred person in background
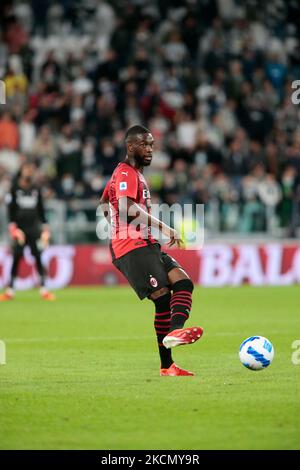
x=27 y=227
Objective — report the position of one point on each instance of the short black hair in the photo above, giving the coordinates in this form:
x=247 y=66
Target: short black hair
x=134 y=130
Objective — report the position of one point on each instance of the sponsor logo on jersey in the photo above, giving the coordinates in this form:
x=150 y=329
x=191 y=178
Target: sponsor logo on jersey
x=123 y=186
x=146 y=194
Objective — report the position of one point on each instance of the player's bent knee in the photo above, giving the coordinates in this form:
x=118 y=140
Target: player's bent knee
x=177 y=274
x=183 y=284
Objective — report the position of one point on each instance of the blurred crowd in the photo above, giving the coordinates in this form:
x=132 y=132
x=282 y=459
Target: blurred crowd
x=212 y=79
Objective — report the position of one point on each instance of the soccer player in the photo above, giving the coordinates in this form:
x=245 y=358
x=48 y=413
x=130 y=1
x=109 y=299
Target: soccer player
x=27 y=226
x=151 y=272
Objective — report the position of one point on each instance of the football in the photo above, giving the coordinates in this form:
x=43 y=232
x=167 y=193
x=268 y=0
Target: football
x=256 y=353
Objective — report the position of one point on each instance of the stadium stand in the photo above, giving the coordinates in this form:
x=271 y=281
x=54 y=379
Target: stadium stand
x=211 y=79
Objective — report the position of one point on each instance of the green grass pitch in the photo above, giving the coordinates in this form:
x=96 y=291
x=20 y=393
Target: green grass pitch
x=82 y=373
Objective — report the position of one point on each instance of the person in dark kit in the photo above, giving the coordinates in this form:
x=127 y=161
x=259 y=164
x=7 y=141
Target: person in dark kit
x=27 y=227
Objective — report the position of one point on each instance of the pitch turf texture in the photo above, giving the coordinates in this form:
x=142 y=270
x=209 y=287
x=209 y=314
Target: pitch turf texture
x=82 y=373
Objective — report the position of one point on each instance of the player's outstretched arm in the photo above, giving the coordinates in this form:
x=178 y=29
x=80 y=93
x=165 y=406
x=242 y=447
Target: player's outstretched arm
x=128 y=207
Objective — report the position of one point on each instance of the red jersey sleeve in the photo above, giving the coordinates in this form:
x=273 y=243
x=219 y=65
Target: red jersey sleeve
x=105 y=195
x=126 y=183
